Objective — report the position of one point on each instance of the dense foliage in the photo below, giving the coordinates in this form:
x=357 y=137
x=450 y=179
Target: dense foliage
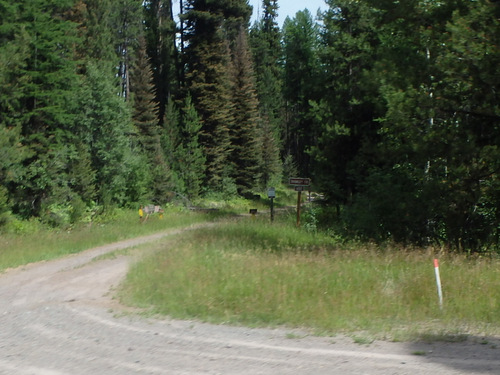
x=392 y=108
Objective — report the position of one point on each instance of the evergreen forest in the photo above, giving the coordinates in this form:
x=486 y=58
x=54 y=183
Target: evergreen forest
x=392 y=108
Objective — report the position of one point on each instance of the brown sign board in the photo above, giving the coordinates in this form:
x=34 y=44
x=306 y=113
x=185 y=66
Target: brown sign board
x=299 y=181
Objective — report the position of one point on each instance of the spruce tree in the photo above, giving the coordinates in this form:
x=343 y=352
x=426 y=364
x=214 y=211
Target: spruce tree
x=265 y=41
x=105 y=125
x=208 y=79
x=96 y=28
x=48 y=86
x=171 y=143
x=145 y=120
x=210 y=35
x=190 y=155
x=13 y=54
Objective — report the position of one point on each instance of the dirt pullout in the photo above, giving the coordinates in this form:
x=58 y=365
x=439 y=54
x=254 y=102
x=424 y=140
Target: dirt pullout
x=59 y=318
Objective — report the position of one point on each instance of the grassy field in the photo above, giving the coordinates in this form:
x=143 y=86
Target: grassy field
x=252 y=273
x=35 y=243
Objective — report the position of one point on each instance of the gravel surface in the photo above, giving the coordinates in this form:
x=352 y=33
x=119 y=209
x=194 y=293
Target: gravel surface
x=59 y=317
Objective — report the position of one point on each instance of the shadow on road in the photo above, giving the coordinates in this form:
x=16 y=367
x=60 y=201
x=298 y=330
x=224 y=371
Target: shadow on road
x=467 y=354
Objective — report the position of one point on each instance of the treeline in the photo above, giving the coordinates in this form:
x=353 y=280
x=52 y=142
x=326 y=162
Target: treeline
x=392 y=108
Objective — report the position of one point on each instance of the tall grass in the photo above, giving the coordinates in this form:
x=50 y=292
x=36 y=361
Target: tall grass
x=44 y=244
x=258 y=274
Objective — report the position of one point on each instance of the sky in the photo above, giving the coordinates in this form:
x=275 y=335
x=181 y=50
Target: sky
x=288 y=8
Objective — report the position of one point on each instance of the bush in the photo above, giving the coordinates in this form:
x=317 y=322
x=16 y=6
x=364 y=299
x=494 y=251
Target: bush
x=17 y=226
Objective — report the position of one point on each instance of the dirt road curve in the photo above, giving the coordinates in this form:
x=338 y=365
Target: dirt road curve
x=58 y=318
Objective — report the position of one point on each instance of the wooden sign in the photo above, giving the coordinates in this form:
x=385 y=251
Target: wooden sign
x=299 y=181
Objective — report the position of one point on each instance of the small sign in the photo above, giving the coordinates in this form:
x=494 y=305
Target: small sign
x=299 y=181
x=300 y=188
x=271 y=193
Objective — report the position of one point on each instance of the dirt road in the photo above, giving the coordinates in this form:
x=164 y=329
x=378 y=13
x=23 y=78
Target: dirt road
x=59 y=318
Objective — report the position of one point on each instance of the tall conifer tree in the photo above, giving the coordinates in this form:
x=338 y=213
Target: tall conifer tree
x=96 y=28
x=190 y=152
x=346 y=110
x=267 y=51
x=13 y=54
x=50 y=78
x=144 y=116
x=207 y=60
x=245 y=137
x=301 y=85
x=162 y=51
x=211 y=29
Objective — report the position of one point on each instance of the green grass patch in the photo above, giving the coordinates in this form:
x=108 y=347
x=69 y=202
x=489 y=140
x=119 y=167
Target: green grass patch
x=252 y=273
x=44 y=244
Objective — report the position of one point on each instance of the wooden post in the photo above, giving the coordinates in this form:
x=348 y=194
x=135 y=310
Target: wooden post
x=299 y=198
x=271 y=194
x=272 y=209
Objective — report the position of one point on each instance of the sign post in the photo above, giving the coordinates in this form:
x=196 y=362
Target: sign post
x=271 y=193
x=300 y=184
x=299 y=200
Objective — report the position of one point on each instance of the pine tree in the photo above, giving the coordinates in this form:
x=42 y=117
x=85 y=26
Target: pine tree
x=468 y=118
x=347 y=109
x=423 y=142
x=245 y=138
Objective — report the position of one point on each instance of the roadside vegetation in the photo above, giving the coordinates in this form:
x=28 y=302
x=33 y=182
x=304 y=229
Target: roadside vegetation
x=37 y=239
x=252 y=273
x=249 y=271
x=24 y=242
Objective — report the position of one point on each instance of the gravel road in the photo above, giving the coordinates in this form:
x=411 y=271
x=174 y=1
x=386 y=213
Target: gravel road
x=59 y=318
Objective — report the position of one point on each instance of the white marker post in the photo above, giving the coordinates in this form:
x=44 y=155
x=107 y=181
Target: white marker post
x=438 y=283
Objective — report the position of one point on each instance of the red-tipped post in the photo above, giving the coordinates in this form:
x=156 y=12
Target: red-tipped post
x=438 y=283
